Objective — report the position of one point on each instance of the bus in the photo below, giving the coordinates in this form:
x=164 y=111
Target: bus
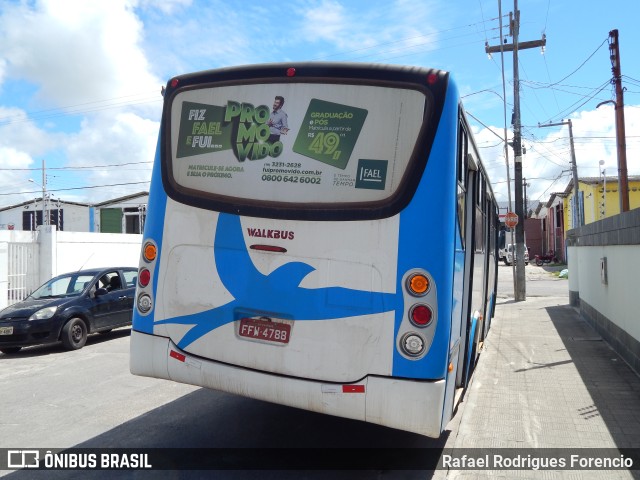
x=318 y=235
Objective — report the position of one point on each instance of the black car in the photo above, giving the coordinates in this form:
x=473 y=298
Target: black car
x=69 y=307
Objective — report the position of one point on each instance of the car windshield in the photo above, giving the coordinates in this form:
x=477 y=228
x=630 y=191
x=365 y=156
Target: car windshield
x=63 y=286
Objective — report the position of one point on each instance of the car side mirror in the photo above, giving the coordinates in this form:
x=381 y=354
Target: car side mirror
x=101 y=291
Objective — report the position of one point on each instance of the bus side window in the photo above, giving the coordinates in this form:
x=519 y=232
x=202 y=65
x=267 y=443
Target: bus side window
x=480 y=215
x=462 y=166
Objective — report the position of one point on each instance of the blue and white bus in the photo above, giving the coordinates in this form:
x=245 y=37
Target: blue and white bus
x=319 y=235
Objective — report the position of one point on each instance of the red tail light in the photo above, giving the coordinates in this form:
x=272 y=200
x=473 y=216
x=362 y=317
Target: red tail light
x=421 y=315
x=144 y=277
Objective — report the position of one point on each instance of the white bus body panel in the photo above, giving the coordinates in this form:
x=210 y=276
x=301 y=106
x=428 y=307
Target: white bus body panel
x=403 y=404
x=357 y=255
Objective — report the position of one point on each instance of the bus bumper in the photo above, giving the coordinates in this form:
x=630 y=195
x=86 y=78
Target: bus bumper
x=413 y=406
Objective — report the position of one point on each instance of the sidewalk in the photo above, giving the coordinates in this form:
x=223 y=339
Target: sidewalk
x=546 y=379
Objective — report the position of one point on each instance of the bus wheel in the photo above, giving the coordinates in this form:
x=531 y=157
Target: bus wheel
x=74 y=334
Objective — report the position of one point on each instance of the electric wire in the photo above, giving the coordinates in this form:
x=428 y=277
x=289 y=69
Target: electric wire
x=76 y=188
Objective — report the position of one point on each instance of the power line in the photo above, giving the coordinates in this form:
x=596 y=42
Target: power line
x=574 y=107
x=562 y=174
x=77 y=168
x=77 y=188
x=401 y=41
x=60 y=112
x=582 y=64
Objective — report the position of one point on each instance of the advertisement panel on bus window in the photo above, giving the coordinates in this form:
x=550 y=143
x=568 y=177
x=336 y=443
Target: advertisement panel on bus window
x=315 y=143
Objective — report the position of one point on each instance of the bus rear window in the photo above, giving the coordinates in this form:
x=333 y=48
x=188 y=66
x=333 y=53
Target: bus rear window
x=280 y=144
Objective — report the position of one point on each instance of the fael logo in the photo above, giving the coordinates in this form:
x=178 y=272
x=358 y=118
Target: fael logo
x=23 y=458
x=371 y=174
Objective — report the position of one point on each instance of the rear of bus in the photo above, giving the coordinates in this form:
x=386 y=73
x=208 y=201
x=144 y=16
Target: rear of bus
x=315 y=269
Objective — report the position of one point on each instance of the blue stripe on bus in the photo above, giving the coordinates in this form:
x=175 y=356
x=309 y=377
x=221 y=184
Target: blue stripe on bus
x=427 y=240
x=278 y=291
x=153 y=228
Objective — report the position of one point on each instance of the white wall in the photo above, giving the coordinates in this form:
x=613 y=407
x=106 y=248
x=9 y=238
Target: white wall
x=78 y=250
x=75 y=217
x=62 y=252
x=12 y=237
x=604 y=261
x=617 y=299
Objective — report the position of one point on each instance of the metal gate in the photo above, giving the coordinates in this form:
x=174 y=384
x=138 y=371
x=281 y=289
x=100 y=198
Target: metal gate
x=23 y=266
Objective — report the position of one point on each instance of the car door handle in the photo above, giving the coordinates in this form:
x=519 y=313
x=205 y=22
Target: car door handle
x=122 y=297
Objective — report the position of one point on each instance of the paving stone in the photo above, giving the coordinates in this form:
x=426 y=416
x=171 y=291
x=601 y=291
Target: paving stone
x=546 y=379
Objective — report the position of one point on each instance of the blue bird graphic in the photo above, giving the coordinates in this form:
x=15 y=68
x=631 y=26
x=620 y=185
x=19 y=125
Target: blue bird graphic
x=277 y=294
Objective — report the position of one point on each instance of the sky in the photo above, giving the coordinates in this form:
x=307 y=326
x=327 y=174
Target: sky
x=80 y=80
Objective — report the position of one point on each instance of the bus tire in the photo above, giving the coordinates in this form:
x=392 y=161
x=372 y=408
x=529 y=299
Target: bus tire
x=74 y=334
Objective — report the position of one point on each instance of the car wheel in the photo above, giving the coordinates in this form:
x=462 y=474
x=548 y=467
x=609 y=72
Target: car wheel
x=74 y=334
x=10 y=350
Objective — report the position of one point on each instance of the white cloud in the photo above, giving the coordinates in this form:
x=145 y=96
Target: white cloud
x=21 y=142
x=326 y=22
x=167 y=7
x=78 y=62
x=75 y=51
x=547 y=163
x=384 y=31
x=104 y=140
x=19 y=132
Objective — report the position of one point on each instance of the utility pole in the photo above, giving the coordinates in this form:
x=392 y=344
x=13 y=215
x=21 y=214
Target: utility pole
x=525 y=185
x=520 y=288
x=45 y=216
x=574 y=170
x=603 y=175
x=614 y=49
x=44 y=195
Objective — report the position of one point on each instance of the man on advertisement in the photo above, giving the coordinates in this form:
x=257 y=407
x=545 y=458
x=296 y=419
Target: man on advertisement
x=277 y=120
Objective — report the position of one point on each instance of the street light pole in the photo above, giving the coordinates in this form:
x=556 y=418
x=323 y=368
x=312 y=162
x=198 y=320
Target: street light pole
x=45 y=218
x=603 y=175
x=574 y=170
x=525 y=185
x=623 y=182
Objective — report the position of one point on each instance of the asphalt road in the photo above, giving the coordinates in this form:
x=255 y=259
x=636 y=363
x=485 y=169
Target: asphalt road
x=539 y=281
x=54 y=399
